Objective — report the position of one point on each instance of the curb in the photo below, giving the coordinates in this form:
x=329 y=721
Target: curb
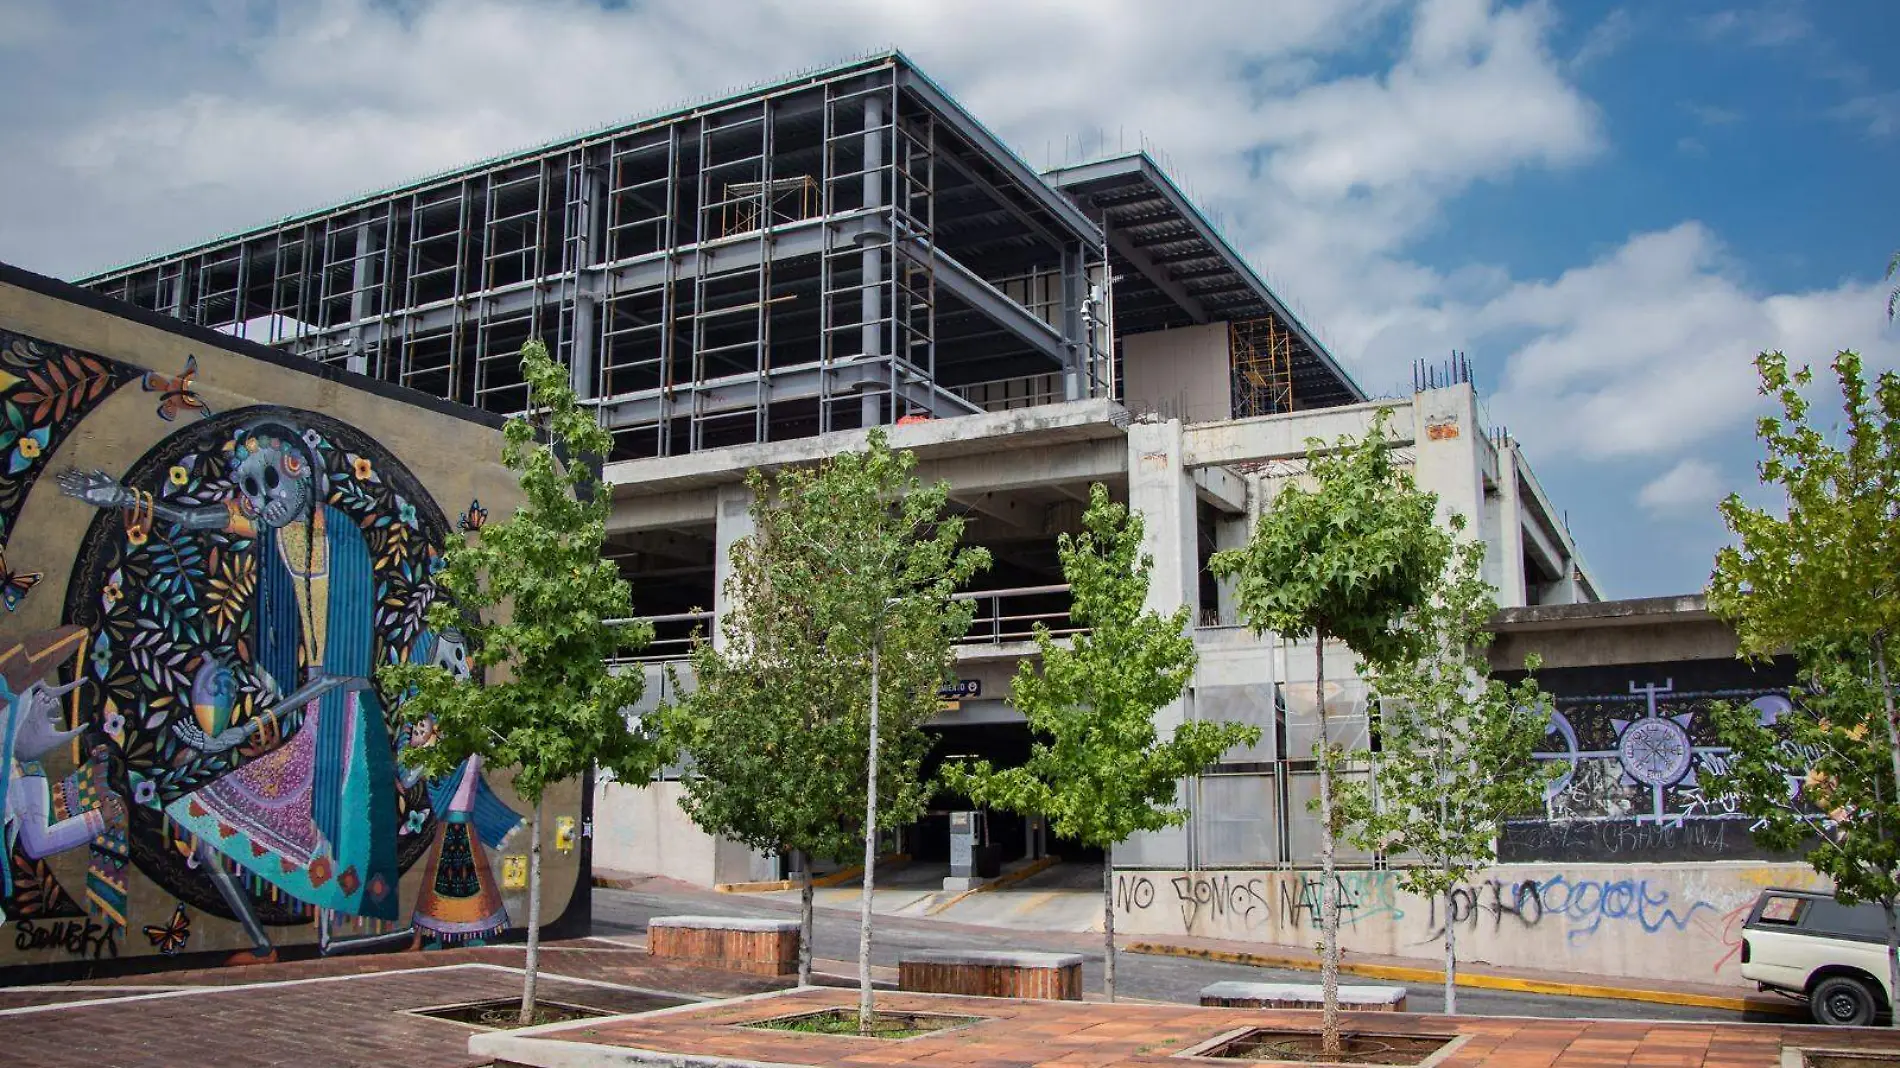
x=842 y=875
x=1024 y=872
x=1478 y=980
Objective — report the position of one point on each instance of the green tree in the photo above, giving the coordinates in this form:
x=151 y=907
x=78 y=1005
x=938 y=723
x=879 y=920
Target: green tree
x=1098 y=771
x=1823 y=576
x=775 y=758
x=1350 y=558
x=1818 y=780
x=1455 y=753
x=534 y=595
x=1826 y=572
x=1893 y=295
x=865 y=550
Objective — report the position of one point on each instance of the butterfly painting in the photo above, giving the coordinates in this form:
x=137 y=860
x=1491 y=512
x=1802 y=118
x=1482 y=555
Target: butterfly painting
x=475 y=518
x=178 y=393
x=169 y=938
x=14 y=585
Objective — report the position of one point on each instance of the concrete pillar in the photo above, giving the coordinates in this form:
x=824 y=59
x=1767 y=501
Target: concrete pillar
x=1512 y=592
x=1230 y=532
x=871 y=259
x=1448 y=451
x=732 y=523
x=1161 y=491
x=360 y=282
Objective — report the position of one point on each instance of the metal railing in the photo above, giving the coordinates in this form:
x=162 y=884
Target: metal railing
x=1002 y=616
x=1011 y=615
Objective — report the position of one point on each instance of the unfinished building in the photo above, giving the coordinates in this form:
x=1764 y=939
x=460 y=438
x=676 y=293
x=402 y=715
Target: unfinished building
x=755 y=280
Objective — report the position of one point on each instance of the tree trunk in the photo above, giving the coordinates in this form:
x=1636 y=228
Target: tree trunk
x=870 y=863
x=1893 y=964
x=804 y=920
x=532 y=969
x=1451 y=960
x=1444 y=832
x=1328 y=892
x=1886 y=695
x=1108 y=922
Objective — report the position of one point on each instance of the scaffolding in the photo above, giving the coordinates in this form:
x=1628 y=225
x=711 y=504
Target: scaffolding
x=828 y=253
x=1262 y=359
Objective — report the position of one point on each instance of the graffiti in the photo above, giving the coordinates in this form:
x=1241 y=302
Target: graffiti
x=1520 y=900
x=1220 y=895
x=1587 y=903
x=1628 y=840
x=1634 y=753
x=1583 y=905
x=81 y=938
x=1133 y=892
x=1361 y=896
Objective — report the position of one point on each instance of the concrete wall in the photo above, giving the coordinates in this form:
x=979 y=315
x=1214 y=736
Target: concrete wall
x=642 y=830
x=172 y=804
x=1179 y=374
x=1660 y=921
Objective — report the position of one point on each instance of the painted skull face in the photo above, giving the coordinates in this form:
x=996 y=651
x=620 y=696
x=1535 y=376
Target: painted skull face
x=451 y=654
x=276 y=482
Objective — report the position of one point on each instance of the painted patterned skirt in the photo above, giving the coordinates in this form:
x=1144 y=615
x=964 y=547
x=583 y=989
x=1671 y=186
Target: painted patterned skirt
x=459 y=902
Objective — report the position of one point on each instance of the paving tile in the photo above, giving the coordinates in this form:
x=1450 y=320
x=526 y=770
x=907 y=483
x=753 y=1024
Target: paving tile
x=1095 y=1035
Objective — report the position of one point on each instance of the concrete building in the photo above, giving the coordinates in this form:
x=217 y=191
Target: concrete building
x=756 y=280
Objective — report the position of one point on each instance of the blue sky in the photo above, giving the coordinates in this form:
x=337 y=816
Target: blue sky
x=1609 y=207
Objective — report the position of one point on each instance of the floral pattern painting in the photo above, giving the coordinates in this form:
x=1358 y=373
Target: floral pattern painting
x=45 y=390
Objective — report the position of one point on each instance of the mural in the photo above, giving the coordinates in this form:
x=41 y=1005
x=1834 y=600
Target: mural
x=1632 y=743
x=197 y=753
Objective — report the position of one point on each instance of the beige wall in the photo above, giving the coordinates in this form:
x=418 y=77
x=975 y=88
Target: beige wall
x=1179 y=374
x=453 y=462
x=1643 y=921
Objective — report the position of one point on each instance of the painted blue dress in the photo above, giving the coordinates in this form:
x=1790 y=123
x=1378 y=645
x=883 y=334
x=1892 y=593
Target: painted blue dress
x=315 y=817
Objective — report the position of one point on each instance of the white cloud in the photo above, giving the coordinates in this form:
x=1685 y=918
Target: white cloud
x=1766 y=26
x=1605 y=39
x=1690 y=488
x=214 y=115
x=1877 y=114
x=1650 y=349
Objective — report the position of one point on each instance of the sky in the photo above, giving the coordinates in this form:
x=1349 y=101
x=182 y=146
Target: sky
x=1608 y=208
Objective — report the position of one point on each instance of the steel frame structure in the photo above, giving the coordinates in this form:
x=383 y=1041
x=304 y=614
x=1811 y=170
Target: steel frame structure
x=830 y=252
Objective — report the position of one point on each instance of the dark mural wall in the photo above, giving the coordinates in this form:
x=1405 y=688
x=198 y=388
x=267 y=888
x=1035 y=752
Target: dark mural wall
x=205 y=556
x=1634 y=742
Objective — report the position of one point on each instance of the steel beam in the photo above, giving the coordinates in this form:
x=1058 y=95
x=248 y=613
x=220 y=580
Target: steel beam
x=1021 y=173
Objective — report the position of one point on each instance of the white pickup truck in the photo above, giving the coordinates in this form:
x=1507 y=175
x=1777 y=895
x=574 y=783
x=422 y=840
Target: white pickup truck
x=1805 y=944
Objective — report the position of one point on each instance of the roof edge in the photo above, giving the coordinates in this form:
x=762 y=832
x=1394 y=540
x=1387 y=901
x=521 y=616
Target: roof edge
x=72 y=294
x=1212 y=234
x=868 y=61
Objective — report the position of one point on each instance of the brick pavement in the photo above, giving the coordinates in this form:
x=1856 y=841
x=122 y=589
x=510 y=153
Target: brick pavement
x=1023 y=1033
x=345 y=1012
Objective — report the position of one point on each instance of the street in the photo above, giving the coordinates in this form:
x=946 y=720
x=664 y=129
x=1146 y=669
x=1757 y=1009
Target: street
x=621 y=912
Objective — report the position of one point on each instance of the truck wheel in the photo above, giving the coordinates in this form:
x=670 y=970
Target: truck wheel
x=1843 y=1001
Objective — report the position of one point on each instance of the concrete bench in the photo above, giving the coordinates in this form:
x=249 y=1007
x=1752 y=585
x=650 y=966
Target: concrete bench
x=1056 y=976
x=1234 y=994
x=746 y=944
